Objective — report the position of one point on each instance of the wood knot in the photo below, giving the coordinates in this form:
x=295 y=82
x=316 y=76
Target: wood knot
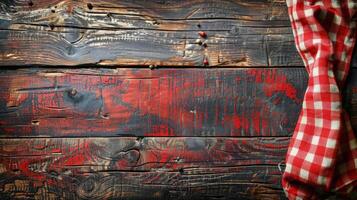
x=132 y=157
x=30 y=3
x=89 y=185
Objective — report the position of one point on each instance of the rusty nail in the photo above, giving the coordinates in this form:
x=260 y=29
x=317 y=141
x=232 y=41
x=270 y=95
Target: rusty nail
x=202 y=34
x=205 y=62
x=90 y=6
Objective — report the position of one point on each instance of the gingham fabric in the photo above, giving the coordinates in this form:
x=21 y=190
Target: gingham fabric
x=322 y=155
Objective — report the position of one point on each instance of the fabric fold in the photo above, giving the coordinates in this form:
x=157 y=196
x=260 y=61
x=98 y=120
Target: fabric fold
x=322 y=154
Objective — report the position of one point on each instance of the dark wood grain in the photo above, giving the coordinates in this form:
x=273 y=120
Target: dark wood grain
x=244 y=182
x=143 y=102
x=131 y=33
x=142 y=153
x=240 y=33
x=141 y=168
x=189 y=133
x=164 y=102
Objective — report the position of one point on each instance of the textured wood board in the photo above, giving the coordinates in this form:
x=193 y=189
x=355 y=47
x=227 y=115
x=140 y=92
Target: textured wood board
x=141 y=168
x=136 y=185
x=130 y=33
x=164 y=102
x=194 y=133
x=143 y=102
x=240 y=33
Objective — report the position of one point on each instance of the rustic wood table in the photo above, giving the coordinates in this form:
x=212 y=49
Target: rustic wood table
x=161 y=99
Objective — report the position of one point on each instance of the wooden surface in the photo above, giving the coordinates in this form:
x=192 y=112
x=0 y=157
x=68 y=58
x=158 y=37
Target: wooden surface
x=143 y=102
x=60 y=128
x=145 y=168
x=93 y=122
x=110 y=32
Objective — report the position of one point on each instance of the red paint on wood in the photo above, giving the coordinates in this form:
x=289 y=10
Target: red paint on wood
x=160 y=131
x=185 y=102
x=273 y=83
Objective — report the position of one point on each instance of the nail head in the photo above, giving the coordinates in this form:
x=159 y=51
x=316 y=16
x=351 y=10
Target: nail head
x=205 y=62
x=202 y=34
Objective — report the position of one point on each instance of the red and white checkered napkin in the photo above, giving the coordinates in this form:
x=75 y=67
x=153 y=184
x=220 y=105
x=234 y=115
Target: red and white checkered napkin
x=323 y=150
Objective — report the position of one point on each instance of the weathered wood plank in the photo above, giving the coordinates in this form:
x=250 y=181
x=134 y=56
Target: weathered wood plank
x=142 y=153
x=148 y=185
x=132 y=47
x=167 y=9
x=143 y=168
x=164 y=102
x=222 y=184
x=165 y=33
x=240 y=33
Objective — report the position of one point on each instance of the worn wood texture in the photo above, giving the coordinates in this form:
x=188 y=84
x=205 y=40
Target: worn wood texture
x=165 y=102
x=109 y=32
x=141 y=168
x=257 y=106
x=199 y=133
x=143 y=102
